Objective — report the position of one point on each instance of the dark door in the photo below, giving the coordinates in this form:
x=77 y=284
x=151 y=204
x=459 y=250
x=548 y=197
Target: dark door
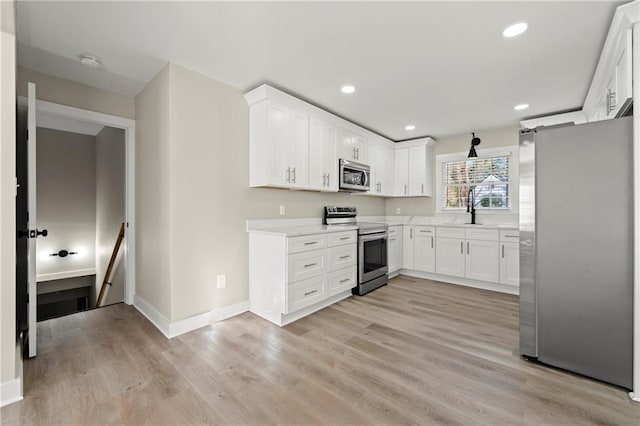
x=21 y=225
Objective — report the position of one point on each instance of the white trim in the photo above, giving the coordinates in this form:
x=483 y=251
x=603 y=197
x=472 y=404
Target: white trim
x=514 y=173
x=484 y=285
x=65 y=274
x=152 y=314
x=129 y=126
x=10 y=392
x=176 y=328
x=634 y=396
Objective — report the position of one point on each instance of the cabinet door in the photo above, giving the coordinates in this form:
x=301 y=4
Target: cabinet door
x=407 y=247
x=424 y=250
x=361 y=145
x=345 y=144
x=510 y=264
x=299 y=149
x=394 y=252
x=417 y=170
x=385 y=158
x=402 y=172
x=482 y=260
x=375 y=172
x=450 y=258
x=279 y=139
x=323 y=164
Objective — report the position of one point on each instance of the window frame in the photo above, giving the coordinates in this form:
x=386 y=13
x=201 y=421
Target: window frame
x=512 y=192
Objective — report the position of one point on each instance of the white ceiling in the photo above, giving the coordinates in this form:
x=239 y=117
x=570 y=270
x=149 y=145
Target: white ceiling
x=443 y=66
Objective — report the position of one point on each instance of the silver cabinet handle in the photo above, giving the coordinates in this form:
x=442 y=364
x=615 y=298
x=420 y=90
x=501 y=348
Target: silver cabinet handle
x=461 y=247
x=410 y=233
x=357 y=153
x=380 y=186
x=511 y=236
x=405 y=189
x=422 y=190
x=328 y=179
x=431 y=242
x=354 y=153
x=503 y=251
x=345 y=257
x=324 y=179
x=467 y=247
x=309 y=265
x=288 y=174
x=293 y=172
x=345 y=280
x=310 y=243
x=310 y=292
x=345 y=238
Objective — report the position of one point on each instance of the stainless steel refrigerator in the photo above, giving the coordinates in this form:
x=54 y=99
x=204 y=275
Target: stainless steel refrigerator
x=576 y=248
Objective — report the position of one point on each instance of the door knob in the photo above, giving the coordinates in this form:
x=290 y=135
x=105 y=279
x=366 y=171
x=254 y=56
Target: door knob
x=34 y=233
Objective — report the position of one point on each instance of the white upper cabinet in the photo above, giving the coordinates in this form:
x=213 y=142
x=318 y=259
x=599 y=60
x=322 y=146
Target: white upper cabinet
x=323 y=165
x=279 y=146
x=413 y=169
x=381 y=158
x=351 y=146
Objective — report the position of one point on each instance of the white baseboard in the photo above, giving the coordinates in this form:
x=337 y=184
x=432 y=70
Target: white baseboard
x=176 y=328
x=10 y=392
x=160 y=321
x=484 y=285
x=634 y=396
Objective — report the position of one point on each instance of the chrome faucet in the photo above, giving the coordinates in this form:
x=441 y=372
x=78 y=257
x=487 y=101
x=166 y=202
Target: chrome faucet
x=471 y=205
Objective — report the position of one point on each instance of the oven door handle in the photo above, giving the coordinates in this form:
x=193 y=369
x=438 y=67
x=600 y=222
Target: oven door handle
x=373 y=237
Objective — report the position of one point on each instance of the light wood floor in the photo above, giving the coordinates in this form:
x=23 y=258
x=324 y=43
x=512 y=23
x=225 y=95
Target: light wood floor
x=414 y=351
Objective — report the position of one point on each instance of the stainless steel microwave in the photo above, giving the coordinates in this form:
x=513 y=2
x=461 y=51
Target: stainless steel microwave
x=354 y=177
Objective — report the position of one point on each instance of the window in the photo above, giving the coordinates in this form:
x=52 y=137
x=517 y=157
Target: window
x=488 y=177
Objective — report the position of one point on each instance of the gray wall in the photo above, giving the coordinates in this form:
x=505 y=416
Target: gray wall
x=66 y=194
x=110 y=182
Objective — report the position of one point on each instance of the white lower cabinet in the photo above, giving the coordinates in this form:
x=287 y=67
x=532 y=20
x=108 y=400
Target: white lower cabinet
x=290 y=277
x=510 y=258
x=407 y=247
x=394 y=249
x=424 y=249
x=470 y=253
x=482 y=262
x=450 y=259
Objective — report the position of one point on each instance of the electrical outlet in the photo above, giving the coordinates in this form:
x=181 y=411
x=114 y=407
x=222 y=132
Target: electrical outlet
x=282 y=210
x=398 y=210
x=221 y=280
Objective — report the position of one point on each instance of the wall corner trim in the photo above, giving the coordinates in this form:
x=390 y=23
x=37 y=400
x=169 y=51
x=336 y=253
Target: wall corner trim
x=176 y=328
x=10 y=392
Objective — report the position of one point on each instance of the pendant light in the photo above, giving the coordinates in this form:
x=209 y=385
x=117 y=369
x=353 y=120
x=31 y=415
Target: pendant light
x=475 y=141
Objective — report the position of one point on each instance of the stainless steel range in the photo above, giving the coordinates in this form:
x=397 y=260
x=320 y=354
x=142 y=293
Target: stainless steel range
x=372 y=247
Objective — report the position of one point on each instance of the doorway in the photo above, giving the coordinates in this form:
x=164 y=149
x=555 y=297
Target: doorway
x=81 y=171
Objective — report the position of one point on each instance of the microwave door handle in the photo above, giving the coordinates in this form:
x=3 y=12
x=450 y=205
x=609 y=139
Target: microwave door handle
x=366 y=179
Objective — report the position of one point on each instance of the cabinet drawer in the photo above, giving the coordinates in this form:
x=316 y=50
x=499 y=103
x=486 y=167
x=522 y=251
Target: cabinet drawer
x=339 y=281
x=341 y=257
x=513 y=236
x=450 y=232
x=341 y=238
x=425 y=231
x=305 y=293
x=306 y=265
x=482 y=234
x=306 y=243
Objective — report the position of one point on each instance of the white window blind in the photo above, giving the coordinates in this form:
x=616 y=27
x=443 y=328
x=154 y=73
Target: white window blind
x=488 y=177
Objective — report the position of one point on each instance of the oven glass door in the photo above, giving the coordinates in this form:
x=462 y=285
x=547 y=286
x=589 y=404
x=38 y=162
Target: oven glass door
x=373 y=257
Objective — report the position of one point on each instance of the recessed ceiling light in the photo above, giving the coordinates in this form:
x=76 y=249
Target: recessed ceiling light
x=410 y=127
x=90 y=60
x=348 y=89
x=515 y=29
x=521 y=107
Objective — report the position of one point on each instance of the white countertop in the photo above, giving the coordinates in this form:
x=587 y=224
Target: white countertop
x=297 y=231
x=311 y=226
